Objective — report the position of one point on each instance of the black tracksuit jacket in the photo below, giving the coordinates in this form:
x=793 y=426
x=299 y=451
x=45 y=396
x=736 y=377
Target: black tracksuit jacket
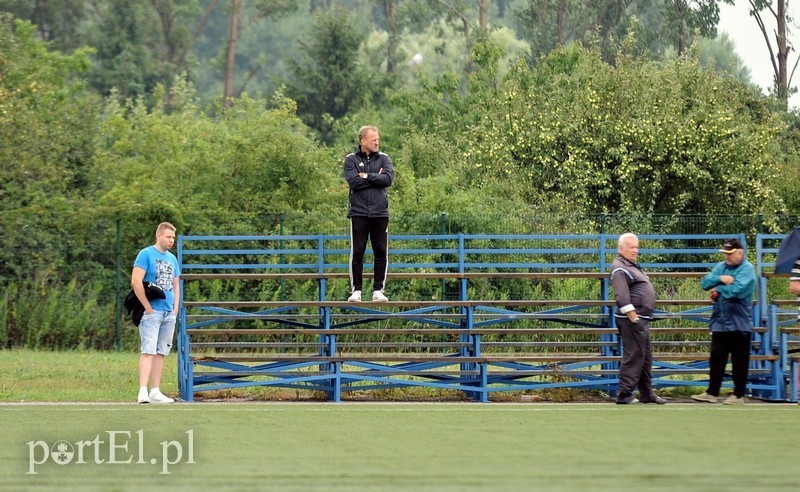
x=368 y=197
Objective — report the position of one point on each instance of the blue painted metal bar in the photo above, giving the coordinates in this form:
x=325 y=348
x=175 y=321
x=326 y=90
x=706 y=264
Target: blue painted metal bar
x=615 y=344
x=549 y=265
x=259 y=252
x=286 y=382
x=560 y=251
x=777 y=366
x=409 y=314
x=250 y=266
x=182 y=341
x=476 y=379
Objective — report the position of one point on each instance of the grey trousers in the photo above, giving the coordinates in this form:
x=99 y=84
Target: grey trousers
x=637 y=357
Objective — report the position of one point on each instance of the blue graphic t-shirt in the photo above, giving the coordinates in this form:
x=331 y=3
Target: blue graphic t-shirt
x=160 y=269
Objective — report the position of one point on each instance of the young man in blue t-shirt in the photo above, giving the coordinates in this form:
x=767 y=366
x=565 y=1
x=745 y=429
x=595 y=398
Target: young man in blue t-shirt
x=155 y=264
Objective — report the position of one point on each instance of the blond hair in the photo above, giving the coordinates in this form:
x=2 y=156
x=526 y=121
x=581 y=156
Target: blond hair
x=362 y=132
x=162 y=226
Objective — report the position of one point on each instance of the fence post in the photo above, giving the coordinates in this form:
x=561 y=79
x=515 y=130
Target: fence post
x=281 y=284
x=118 y=290
x=443 y=231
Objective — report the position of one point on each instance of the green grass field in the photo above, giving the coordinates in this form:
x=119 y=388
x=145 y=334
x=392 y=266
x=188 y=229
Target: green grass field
x=395 y=446
x=399 y=446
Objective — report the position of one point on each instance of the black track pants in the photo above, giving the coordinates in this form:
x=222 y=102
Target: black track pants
x=637 y=357
x=376 y=229
x=737 y=344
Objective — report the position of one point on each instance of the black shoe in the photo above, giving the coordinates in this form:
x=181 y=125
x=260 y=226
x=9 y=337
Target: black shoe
x=630 y=400
x=656 y=399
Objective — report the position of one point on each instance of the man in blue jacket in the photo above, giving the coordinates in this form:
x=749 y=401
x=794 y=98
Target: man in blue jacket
x=368 y=173
x=731 y=284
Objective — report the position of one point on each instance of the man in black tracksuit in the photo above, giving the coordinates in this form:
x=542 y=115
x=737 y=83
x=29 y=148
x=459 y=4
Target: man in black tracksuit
x=368 y=173
x=635 y=301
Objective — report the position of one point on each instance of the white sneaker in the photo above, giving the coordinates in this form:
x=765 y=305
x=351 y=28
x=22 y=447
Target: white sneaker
x=378 y=296
x=705 y=397
x=143 y=398
x=355 y=296
x=156 y=396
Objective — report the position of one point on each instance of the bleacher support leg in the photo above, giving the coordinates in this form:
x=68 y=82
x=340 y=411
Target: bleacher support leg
x=189 y=396
x=483 y=396
x=337 y=382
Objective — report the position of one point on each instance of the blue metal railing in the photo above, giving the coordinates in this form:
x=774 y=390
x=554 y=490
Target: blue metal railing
x=466 y=253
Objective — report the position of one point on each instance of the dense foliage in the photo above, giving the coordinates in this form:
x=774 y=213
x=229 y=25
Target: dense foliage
x=636 y=137
x=500 y=143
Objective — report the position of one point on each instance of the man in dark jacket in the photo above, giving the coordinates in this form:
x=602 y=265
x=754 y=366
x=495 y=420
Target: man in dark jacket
x=368 y=173
x=731 y=283
x=635 y=301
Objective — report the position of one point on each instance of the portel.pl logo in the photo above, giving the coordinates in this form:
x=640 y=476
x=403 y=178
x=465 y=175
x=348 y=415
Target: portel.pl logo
x=111 y=448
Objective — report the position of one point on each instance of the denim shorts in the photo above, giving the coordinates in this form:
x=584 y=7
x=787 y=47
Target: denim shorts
x=156 y=330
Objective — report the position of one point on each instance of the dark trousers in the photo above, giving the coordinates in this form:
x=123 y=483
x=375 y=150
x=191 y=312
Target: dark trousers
x=737 y=344
x=376 y=229
x=637 y=358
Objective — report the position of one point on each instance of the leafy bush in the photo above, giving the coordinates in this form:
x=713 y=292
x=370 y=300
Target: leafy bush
x=38 y=315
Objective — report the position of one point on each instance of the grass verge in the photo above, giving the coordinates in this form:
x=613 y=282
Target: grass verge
x=399 y=447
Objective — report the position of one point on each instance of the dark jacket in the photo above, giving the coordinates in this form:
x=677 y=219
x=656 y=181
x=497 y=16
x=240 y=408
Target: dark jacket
x=368 y=197
x=134 y=306
x=733 y=309
x=632 y=287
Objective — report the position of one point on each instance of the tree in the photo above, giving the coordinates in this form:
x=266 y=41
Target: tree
x=634 y=137
x=47 y=129
x=329 y=80
x=138 y=43
x=546 y=24
x=483 y=15
x=456 y=10
x=393 y=28
x=230 y=58
x=401 y=18
x=57 y=21
x=262 y=9
x=762 y=10
x=173 y=18
x=637 y=137
x=719 y=54
x=209 y=174
x=683 y=17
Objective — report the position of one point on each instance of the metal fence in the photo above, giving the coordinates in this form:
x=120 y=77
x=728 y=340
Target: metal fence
x=454 y=222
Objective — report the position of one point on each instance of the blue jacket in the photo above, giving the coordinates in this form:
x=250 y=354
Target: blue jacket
x=733 y=310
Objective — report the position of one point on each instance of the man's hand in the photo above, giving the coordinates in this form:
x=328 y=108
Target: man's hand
x=362 y=175
x=794 y=287
x=726 y=279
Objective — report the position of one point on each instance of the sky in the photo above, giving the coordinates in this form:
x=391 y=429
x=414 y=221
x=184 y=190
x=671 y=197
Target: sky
x=750 y=44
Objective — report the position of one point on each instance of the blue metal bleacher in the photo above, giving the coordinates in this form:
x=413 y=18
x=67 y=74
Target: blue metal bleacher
x=451 y=337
